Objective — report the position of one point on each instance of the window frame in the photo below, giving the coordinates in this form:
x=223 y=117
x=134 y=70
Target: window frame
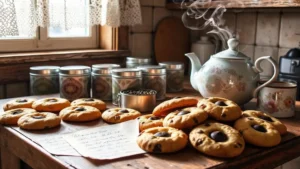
x=114 y=48
x=44 y=43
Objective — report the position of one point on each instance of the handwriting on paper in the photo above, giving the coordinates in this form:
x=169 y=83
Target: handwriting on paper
x=57 y=145
x=106 y=142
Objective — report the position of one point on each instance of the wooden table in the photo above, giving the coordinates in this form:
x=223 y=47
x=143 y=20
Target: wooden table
x=15 y=146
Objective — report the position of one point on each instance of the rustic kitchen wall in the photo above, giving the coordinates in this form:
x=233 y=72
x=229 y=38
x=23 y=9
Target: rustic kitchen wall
x=267 y=32
x=261 y=32
x=141 y=37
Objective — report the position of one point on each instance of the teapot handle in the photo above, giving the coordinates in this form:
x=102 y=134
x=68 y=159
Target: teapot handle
x=259 y=69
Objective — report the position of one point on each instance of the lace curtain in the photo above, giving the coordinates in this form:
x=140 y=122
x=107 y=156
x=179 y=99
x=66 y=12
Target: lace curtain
x=22 y=17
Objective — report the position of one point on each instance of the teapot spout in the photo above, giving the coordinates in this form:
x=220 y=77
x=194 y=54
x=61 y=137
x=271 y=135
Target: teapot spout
x=196 y=65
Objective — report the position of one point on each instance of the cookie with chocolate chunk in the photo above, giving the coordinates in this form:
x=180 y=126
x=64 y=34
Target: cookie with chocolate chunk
x=164 y=108
x=79 y=113
x=11 y=117
x=220 y=109
x=99 y=104
x=259 y=114
x=162 y=140
x=118 y=115
x=258 y=132
x=50 y=104
x=39 y=121
x=185 y=118
x=218 y=140
x=18 y=103
x=149 y=121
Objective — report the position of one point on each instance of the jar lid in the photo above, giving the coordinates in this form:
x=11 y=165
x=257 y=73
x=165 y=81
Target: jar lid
x=138 y=60
x=126 y=72
x=104 y=68
x=75 y=70
x=44 y=70
x=152 y=69
x=172 y=65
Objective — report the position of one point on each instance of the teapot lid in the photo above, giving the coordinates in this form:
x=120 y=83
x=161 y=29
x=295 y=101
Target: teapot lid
x=232 y=52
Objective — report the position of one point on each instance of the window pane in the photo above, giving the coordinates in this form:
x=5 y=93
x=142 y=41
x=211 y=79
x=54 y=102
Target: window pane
x=69 y=18
x=17 y=19
x=73 y=32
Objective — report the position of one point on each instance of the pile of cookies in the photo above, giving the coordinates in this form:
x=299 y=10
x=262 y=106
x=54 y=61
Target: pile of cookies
x=214 y=126
x=46 y=113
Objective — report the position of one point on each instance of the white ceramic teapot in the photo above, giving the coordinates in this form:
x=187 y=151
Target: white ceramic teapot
x=229 y=74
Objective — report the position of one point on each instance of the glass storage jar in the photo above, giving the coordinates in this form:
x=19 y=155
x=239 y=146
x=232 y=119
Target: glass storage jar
x=102 y=81
x=125 y=78
x=133 y=62
x=175 y=75
x=74 y=82
x=44 y=80
x=154 y=77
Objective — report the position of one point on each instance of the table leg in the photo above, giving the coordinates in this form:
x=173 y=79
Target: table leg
x=8 y=160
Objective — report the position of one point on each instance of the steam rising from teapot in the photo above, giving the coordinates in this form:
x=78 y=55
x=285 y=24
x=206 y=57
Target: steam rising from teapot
x=196 y=18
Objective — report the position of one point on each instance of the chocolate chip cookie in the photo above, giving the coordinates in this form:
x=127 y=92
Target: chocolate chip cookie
x=50 y=104
x=258 y=132
x=220 y=109
x=275 y=122
x=118 y=115
x=79 y=113
x=218 y=140
x=39 y=121
x=162 y=140
x=185 y=118
x=11 y=117
x=18 y=103
x=149 y=121
x=166 y=107
x=99 y=104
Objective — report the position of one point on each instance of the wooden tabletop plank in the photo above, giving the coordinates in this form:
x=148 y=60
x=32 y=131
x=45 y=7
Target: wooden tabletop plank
x=252 y=157
x=28 y=151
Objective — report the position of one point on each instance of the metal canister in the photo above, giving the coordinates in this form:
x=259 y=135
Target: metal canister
x=143 y=100
x=154 y=77
x=125 y=78
x=102 y=81
x=175 y=75
x=133 y=62
x=74 y=82
x=44 y=80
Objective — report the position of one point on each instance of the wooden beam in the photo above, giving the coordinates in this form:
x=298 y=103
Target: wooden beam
x=240 y=4
x=123 y=38
x=106 y=38
x=114 y=38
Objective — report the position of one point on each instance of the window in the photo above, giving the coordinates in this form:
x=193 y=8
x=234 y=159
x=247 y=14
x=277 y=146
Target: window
x=65 y=30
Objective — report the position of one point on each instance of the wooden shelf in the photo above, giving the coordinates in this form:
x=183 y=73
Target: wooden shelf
x=246 y=4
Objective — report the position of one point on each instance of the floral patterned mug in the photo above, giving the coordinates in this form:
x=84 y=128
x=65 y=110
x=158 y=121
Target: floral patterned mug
x=278 y=99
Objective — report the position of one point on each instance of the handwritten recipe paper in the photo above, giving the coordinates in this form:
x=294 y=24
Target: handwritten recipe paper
x=53 y=142
x=106 y=142
x=57 y=145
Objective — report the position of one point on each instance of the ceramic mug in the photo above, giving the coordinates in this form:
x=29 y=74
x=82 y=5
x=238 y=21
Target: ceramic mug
x=278 y=99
